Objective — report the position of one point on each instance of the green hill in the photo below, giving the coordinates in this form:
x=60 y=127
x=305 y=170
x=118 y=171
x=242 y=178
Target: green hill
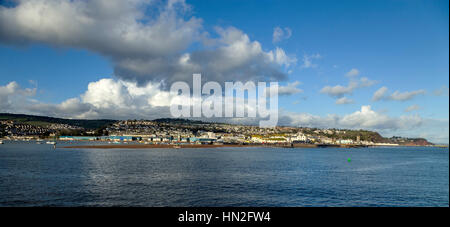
x=42 y=121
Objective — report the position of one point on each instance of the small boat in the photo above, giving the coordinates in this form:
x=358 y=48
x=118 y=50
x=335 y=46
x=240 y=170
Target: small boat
x=51 y=142
x=1 y=142
x=38 y=142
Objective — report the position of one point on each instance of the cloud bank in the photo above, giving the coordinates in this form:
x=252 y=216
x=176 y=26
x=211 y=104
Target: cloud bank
x=164 y=45
x=118 y=99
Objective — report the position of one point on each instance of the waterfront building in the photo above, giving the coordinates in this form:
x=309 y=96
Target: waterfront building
x=85 y=138
x=345 y=141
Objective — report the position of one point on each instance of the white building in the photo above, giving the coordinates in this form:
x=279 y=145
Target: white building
x=345 y=141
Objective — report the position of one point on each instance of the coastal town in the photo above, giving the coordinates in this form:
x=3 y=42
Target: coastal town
x=187 y=132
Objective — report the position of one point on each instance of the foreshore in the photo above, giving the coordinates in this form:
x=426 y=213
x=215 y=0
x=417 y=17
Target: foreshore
x=148 y=146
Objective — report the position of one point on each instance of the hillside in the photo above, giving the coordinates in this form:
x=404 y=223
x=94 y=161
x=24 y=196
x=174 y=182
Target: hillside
x=42 y=121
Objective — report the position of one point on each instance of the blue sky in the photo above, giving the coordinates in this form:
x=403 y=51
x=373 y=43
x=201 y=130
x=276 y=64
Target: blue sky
x=400 y=45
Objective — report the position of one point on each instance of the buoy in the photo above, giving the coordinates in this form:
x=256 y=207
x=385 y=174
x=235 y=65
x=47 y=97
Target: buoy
x=349 y=160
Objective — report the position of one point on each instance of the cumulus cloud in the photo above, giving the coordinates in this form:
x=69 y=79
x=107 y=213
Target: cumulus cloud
x=281 y=34
x=366 y=118
x=236 y=58
x=280 y=57
x=109 y=27
x=106 y=98
x=143 y=46
x=381 y=94
x=11 y=94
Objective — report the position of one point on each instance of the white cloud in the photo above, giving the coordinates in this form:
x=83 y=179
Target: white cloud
x=112 y=27
x=408 y=95
x=280 y=34
x=381 y=94
x=11 y=95
x=280 y=57
x=338 y=91
x=353 y=72
x=344 y=100
x=308 y=60
x=143 y=47
x=106 y=98
x=236 y=58
x=290 y=88
x=366 y=118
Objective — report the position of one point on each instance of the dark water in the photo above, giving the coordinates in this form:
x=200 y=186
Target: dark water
x=37 y=175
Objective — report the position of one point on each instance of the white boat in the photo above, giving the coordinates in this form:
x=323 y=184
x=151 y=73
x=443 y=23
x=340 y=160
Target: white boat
x=1 y=142
x=51 y=142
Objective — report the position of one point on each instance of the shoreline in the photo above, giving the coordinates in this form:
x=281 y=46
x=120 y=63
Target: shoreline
x=181 y=146
x=146 y=146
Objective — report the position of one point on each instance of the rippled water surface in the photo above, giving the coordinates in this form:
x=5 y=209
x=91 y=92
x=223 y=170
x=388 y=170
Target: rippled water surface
x=37 y=175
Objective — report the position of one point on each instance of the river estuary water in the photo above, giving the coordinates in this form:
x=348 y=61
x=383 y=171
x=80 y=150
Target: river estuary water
x=37 y=175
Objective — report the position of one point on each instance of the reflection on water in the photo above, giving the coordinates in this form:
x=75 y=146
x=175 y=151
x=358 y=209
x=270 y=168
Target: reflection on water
x=37 y=175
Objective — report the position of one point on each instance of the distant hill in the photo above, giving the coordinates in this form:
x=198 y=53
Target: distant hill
x=42 y=120
x=410 y=141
